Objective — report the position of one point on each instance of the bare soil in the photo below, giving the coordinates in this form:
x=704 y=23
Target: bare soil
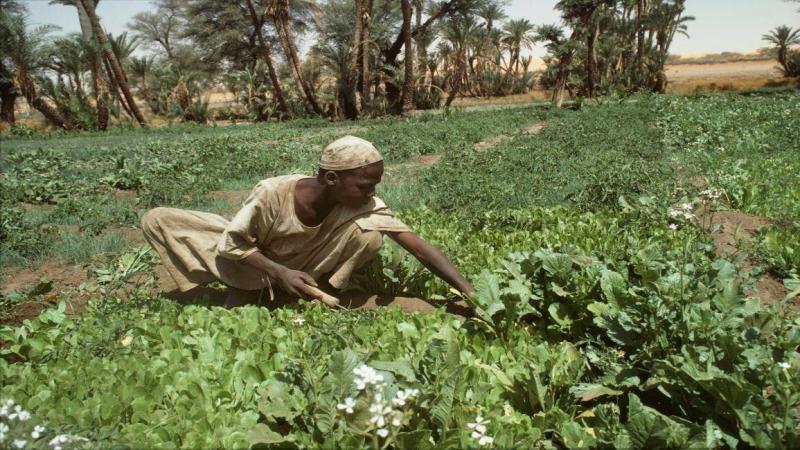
x=231 y=298
x=236 y=196
x=731 y=231
x=493 y=141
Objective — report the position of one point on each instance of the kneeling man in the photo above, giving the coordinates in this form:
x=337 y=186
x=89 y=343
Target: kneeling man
x=293 y=229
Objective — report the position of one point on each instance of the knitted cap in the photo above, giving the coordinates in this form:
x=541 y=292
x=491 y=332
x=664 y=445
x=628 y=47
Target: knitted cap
x=347 y=153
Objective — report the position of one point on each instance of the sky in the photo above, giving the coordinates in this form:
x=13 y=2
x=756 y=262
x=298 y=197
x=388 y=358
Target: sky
x=720 y=25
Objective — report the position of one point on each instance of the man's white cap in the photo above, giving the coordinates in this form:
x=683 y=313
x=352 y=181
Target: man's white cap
x=347 y=153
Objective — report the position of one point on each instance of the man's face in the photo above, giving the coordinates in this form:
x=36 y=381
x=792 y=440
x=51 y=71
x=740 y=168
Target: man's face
x=357 y=187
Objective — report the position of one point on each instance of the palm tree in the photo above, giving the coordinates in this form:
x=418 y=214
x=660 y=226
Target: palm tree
x=116 y=67
x=583 y=15
x=285 y=13
x=491 y=12
x=518 y=35
x=8 y=90
x=783 y=38
x=95 y=58
x=22 y=49
x=458 y=32
x=266 y=56
x=66 y=56
x=561 y=52
x=407 y=98
x=142 y=68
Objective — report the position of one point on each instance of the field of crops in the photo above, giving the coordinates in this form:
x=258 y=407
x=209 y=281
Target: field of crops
x=637 y=266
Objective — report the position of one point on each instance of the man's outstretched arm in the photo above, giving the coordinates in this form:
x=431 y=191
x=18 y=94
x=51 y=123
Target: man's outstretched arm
x=433 y=259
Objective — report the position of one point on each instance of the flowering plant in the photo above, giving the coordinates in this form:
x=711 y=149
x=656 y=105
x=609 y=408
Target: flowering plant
x=20 y=430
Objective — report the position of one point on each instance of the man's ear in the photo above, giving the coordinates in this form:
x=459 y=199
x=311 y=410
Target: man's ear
x=331 y=178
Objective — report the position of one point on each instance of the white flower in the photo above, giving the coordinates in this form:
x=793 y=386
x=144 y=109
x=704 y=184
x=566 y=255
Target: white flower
x=57 y=441
x=37 y=431
x=378 y=420
x=784 y=365
x=383 y=432
x=3 y=428
x=479 y=431
x=60 y=439
x=673 y=226
x=6 y=407
x=397 y=420
x=687 y=206
x=478 y=421
x=19 y=414
x=19 y=443
x=365 y=376
x=347 y=406
x=404 y=395
x=298 y=320
x=674 y=213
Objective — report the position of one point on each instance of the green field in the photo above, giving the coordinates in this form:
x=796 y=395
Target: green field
x=604 y=315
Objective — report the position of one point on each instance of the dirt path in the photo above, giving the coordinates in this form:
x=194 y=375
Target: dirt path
x=493 y=141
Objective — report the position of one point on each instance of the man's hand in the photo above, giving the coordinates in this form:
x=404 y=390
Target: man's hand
x=294 y=282
x=298 y=283
x=433 y=258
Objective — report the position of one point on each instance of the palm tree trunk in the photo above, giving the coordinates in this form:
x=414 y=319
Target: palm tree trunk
x=591 y=60
x=8 y=99
x=266 y=55
x=455 y=85
x=100 y=95
x=639 y=41
x=28 y=88
x=114 y=87
x=283 y=28
x=407 y=102
x=364 y=75
x=351 y=81
x=119 y=73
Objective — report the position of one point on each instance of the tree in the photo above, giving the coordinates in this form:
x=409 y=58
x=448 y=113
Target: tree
x=160 y=27
x=142 y=68
x=8 y=90
x=285 y=13
x=391 y=52
x=266 y=55
x=519 y=34
x=584 y=15
x=458 y=31
x=783 y=38
x=407 y=101
x=561 y=52
x=20 y=50
x=116 y=67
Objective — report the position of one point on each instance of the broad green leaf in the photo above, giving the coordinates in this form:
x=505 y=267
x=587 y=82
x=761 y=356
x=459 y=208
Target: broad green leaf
x=400 y=367
x=613 y=286
x=575 y=436
x=587 y=392
x=262 y=434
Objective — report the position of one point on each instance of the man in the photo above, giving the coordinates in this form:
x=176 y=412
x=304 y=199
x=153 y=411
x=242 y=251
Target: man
x=295 y=230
